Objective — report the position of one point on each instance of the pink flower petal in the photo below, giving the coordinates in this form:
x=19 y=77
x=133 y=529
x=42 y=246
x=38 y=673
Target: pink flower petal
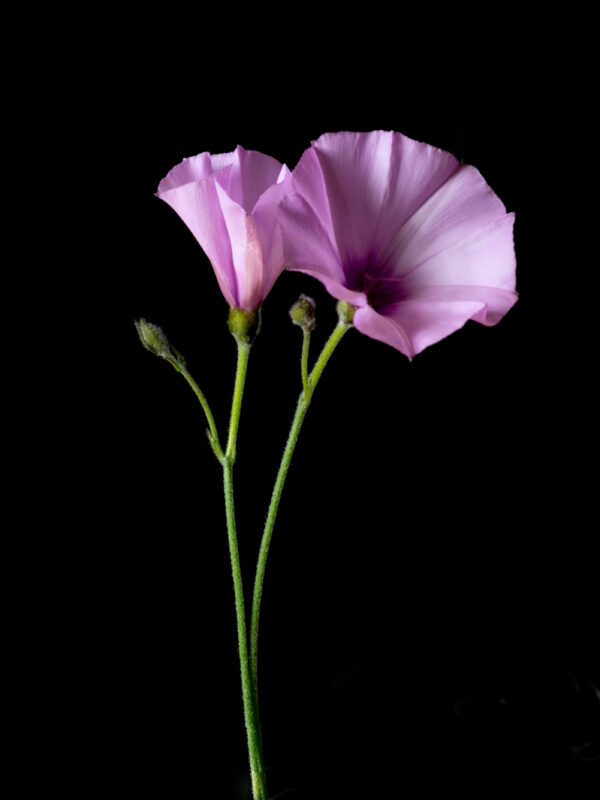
x=384 y=329
x=198 y=206
x=268 y=228
x=460 y=208
x=246 y=252
x=192 y=169
x=309 y=183
x=412 y=325
x=374 y=182
x=251 y=174
x=485 y=258
x=416 y=172
x=355 y=168
x=308 y=245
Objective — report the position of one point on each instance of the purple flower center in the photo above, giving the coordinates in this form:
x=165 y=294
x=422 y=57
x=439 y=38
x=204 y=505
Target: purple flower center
x=380 y=292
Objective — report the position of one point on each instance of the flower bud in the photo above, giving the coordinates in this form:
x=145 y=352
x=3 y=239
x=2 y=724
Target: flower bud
x=154 y=340
x=244 y=325
x=345 y=311
x=302 y=313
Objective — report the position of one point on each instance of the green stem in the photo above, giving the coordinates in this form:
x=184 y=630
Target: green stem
x=259 y=791
x=301 y=409
x=213 y=435
x=304 y=360
x=238 y=393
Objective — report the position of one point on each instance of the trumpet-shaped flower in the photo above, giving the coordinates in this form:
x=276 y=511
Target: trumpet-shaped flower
x=415 y=240
x=229 y=203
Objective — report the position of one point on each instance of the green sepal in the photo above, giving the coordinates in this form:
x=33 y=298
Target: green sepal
x=244 y=325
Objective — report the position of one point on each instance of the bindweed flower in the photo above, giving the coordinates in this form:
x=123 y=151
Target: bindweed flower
x=229 y=203
x=416 y=241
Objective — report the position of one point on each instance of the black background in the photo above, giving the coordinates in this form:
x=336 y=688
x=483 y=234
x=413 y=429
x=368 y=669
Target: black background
x=428 y=623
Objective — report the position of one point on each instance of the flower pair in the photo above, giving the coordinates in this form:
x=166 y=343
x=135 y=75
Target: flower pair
x=416 y=241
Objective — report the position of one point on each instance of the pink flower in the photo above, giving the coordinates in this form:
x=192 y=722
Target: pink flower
x=418 y=242
x=229 y=203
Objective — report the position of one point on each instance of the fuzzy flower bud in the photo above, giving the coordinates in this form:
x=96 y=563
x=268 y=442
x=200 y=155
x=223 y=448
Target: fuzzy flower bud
x=154 y=340
x=302 y=313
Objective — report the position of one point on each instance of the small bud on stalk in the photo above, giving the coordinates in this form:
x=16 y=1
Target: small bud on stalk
x=154 y=340
x=302 y=313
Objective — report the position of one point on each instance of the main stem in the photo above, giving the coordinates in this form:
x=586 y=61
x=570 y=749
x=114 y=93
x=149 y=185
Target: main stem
x=301 y=409
x=259 y=791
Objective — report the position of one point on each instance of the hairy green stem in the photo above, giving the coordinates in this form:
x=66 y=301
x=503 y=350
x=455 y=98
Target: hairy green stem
x=213 y=435
x=301 y=409
x=304 y=360
x=259 y=791
x=238 y=393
